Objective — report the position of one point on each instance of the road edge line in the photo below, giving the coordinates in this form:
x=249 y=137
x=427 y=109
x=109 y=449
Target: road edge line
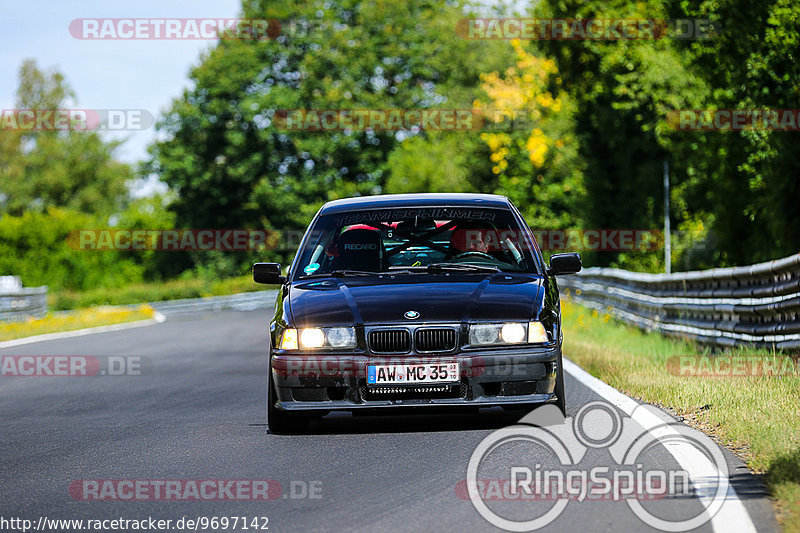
x=732 y=516
x=157 y=319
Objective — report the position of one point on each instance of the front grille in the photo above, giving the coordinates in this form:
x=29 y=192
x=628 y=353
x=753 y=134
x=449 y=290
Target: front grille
x=435 y=340
x=390 y=341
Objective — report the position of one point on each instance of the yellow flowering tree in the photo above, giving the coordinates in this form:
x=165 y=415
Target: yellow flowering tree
x=532 y=151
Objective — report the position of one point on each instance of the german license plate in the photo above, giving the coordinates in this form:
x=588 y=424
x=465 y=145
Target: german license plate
x=412 y=374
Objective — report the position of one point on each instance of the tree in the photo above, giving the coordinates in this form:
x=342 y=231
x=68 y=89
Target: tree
x=42 y=169
x=752 y=190
x=232 y=166
x=536 y=163
x=739 y=188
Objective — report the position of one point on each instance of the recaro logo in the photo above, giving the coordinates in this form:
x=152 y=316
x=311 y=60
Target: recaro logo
x=361 y=246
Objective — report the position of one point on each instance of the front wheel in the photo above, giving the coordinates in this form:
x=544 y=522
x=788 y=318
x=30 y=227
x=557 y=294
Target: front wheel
x=281 y=422
x=561 y=401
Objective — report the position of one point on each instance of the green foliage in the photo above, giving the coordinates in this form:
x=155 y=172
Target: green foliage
x=753 y=188
x=43 y=249
x=34 y=246
x=152 y=292
x=639 y=363
x=151 y=213
x=439 y=162
x=591 y=157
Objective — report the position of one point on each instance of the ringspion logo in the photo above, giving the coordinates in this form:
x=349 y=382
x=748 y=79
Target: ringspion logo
x=540 y=459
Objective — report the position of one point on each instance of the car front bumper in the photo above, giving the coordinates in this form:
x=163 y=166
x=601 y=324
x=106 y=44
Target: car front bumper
x=336 y=382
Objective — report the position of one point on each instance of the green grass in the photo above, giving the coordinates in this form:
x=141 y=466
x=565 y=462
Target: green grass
x=85 y=318
x=151 y=292
x=756 y=417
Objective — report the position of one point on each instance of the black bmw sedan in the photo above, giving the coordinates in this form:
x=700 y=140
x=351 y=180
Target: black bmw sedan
x=419 y=300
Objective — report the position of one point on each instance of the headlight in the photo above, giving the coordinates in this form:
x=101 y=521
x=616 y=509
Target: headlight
x=507 y=333
x=512 y=333
x=312 y=338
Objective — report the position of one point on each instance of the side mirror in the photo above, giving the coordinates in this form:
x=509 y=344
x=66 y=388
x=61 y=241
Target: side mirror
x=564 y=264
x=268 y=273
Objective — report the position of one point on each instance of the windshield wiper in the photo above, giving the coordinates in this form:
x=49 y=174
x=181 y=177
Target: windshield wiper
x=410 y=269
x=341 y=274
x=463 y=267
x=346 y=273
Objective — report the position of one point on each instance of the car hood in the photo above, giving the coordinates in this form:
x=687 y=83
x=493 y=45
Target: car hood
x=454 y=298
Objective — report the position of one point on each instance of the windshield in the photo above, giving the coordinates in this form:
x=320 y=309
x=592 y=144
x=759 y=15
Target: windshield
x=415 y=240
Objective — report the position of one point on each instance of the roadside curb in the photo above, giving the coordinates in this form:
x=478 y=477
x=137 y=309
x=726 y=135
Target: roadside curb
x=157 y=319
x=244 y=301
x=732 y=516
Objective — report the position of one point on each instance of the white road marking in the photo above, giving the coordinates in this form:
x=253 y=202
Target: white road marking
x=157 y=319
x=732 y=516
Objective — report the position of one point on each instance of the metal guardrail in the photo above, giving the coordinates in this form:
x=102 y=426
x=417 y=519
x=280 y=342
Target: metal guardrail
x=246 y=301
x=19 y=304
x=757 y=304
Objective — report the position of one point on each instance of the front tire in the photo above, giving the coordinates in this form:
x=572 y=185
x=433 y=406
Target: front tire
x=561 y=401
x=281 y=422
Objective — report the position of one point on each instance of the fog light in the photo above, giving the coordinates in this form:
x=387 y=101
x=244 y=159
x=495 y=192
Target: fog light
x=341 y=337
x=483 y=334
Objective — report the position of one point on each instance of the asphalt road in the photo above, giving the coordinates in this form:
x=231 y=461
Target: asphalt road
x=199 y=414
